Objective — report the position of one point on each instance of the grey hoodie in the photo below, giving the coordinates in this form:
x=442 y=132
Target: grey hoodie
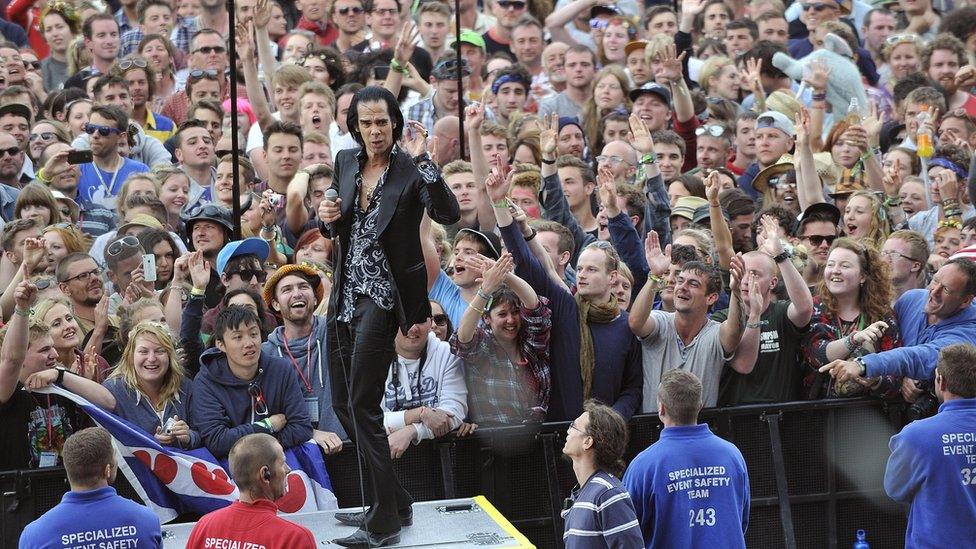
x=318 y=364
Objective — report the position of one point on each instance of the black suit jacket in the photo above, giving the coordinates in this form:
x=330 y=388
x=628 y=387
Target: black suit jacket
x=405 y=197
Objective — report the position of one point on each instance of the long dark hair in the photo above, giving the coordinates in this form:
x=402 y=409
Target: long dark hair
x=371 y=94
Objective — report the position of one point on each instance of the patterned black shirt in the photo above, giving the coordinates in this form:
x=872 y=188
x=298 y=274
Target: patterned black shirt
x=366 y=266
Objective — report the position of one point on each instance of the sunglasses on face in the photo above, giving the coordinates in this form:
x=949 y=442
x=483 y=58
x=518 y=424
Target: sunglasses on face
x=250 y=274
x=780 y=181
x=440 y=320
x=32 y=65
x=11 y=151
x=610 y=159
x=511 y=5
x=355 y=10
x=104 y=131
x=818 y=7
x=137 y=62
x=818 y=239
x=116 y=247
x=207 y=50
x=43 y=136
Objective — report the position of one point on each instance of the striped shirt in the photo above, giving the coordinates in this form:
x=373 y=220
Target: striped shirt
x=602 y=515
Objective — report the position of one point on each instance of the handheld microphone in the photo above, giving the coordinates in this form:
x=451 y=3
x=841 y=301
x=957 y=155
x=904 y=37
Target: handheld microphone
x=331 y=195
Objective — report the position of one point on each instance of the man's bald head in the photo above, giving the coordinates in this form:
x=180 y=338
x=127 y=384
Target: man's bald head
x=249 y=455
x=447 y=130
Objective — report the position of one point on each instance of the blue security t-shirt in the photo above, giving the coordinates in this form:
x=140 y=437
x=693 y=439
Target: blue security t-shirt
x=94 y=518
x=690 y=489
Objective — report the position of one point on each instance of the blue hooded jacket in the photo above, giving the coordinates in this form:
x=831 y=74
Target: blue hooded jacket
x=223 y=410
x=921 y=340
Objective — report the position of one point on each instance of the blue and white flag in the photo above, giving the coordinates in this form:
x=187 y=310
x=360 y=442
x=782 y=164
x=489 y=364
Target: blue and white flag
x=171 y=481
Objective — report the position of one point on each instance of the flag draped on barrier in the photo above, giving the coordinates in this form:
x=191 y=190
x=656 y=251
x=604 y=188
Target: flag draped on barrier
x=171 y=481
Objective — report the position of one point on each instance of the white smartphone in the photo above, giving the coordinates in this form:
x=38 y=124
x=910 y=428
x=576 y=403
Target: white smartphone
x=149 y=267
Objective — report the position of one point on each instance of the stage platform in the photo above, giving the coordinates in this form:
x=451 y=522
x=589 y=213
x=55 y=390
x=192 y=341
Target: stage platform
x=463 y=522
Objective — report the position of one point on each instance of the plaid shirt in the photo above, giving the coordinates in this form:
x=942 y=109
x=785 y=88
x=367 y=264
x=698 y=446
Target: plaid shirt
x=183 y=33
x=424 y=112
x=129 y=43
x=826 y=327
x=500 y=392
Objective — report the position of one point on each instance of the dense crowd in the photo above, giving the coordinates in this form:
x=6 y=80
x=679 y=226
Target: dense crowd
x=775 y=198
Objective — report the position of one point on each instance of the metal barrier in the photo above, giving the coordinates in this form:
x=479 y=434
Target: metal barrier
x=815 y=468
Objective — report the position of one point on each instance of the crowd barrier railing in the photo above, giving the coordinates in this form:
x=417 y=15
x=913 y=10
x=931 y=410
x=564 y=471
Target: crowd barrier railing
x=815 y=469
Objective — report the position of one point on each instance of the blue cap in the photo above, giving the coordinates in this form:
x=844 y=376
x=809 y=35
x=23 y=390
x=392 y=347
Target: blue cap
x=252 y=246
x=570 y=121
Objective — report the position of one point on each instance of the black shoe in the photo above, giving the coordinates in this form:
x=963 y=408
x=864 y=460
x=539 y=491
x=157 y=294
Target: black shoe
x=358 y=518
x=362 y=538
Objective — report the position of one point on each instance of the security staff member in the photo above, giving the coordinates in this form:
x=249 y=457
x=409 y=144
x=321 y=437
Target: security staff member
x=932 y=468
x=690 y=488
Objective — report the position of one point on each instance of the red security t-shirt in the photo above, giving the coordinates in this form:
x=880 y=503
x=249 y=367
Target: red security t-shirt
x=254 y=525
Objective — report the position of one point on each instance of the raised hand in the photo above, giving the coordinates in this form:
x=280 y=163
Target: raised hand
x=658 y=261
x=671 y=63
x=640 y=136
x=199 y=270
x=608 y=191
x=26 y=293
x=770 y=239
x=549 y=136
x=817 y=75
x=494 y=276
x=415 y=141
x=474 y=116
x=753 y=77
x=948 y=183
x=756 y=303
x=34 y=253
x=499 y=180
x=872 y=124
x=330 y=212
x=245 y=40
x=965 y=77
x=101 y=314
x=892 y=178
x=802 y=125
x=713 y=186
x=737 y=270
x=406 y=42
x=692 y=8
x=262 y=14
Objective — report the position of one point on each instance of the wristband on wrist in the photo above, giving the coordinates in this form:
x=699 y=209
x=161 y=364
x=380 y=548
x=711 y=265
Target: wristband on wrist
x=531 y=236
x=849 y=343
x=197 y=292
x=503 y=203
x=892 y=201
x=819 y=96
x=397 y=67
x=22 y=312
x=754 y=325
x=41 y=176
x=648 y=158
x=483 y=295
x=480 y=310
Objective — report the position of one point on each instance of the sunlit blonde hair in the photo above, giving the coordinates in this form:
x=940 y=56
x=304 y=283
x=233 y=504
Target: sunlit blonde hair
x=126 y=370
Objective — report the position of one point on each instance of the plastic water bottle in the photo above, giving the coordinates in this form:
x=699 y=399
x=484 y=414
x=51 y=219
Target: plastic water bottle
x=925 y=149
x=861 y=542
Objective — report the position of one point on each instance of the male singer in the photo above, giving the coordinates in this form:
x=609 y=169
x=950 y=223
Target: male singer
x=380 y=284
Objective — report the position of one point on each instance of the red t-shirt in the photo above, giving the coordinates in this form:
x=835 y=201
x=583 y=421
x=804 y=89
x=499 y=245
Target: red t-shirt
x=249 y=525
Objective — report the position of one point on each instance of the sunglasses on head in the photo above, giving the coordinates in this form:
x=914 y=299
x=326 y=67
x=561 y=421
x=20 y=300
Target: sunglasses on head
x=137 y=62
x=221 y=153
x=115 y=248
x=511 y=4
x=10 y=151
x=895 y=38
x=104 y=131
x=249 y=274
x=356 y=10
x=713 y=130
x=201 y=73
x=207 y=50
x=440 y=320
x=819 y=239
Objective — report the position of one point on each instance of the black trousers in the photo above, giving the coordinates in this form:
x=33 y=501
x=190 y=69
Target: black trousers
x=360 y=354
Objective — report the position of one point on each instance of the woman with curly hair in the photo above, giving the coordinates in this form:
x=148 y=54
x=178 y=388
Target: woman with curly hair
x=59 y=24
x=852 y=317
x=866 y=220
x=611 y=90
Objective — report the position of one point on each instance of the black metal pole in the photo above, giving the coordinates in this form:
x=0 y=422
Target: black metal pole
x=235 y=142
x=461 y=91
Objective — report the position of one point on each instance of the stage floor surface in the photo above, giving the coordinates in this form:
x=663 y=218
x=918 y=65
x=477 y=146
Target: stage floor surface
x=463 y=522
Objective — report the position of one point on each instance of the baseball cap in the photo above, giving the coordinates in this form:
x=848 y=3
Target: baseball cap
x=774 y=119
x=634 y=45
x=253 y=246
x=470 y=37
x=687 y=205
x=490 y=240
x=813 y=209
x=652 y=88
